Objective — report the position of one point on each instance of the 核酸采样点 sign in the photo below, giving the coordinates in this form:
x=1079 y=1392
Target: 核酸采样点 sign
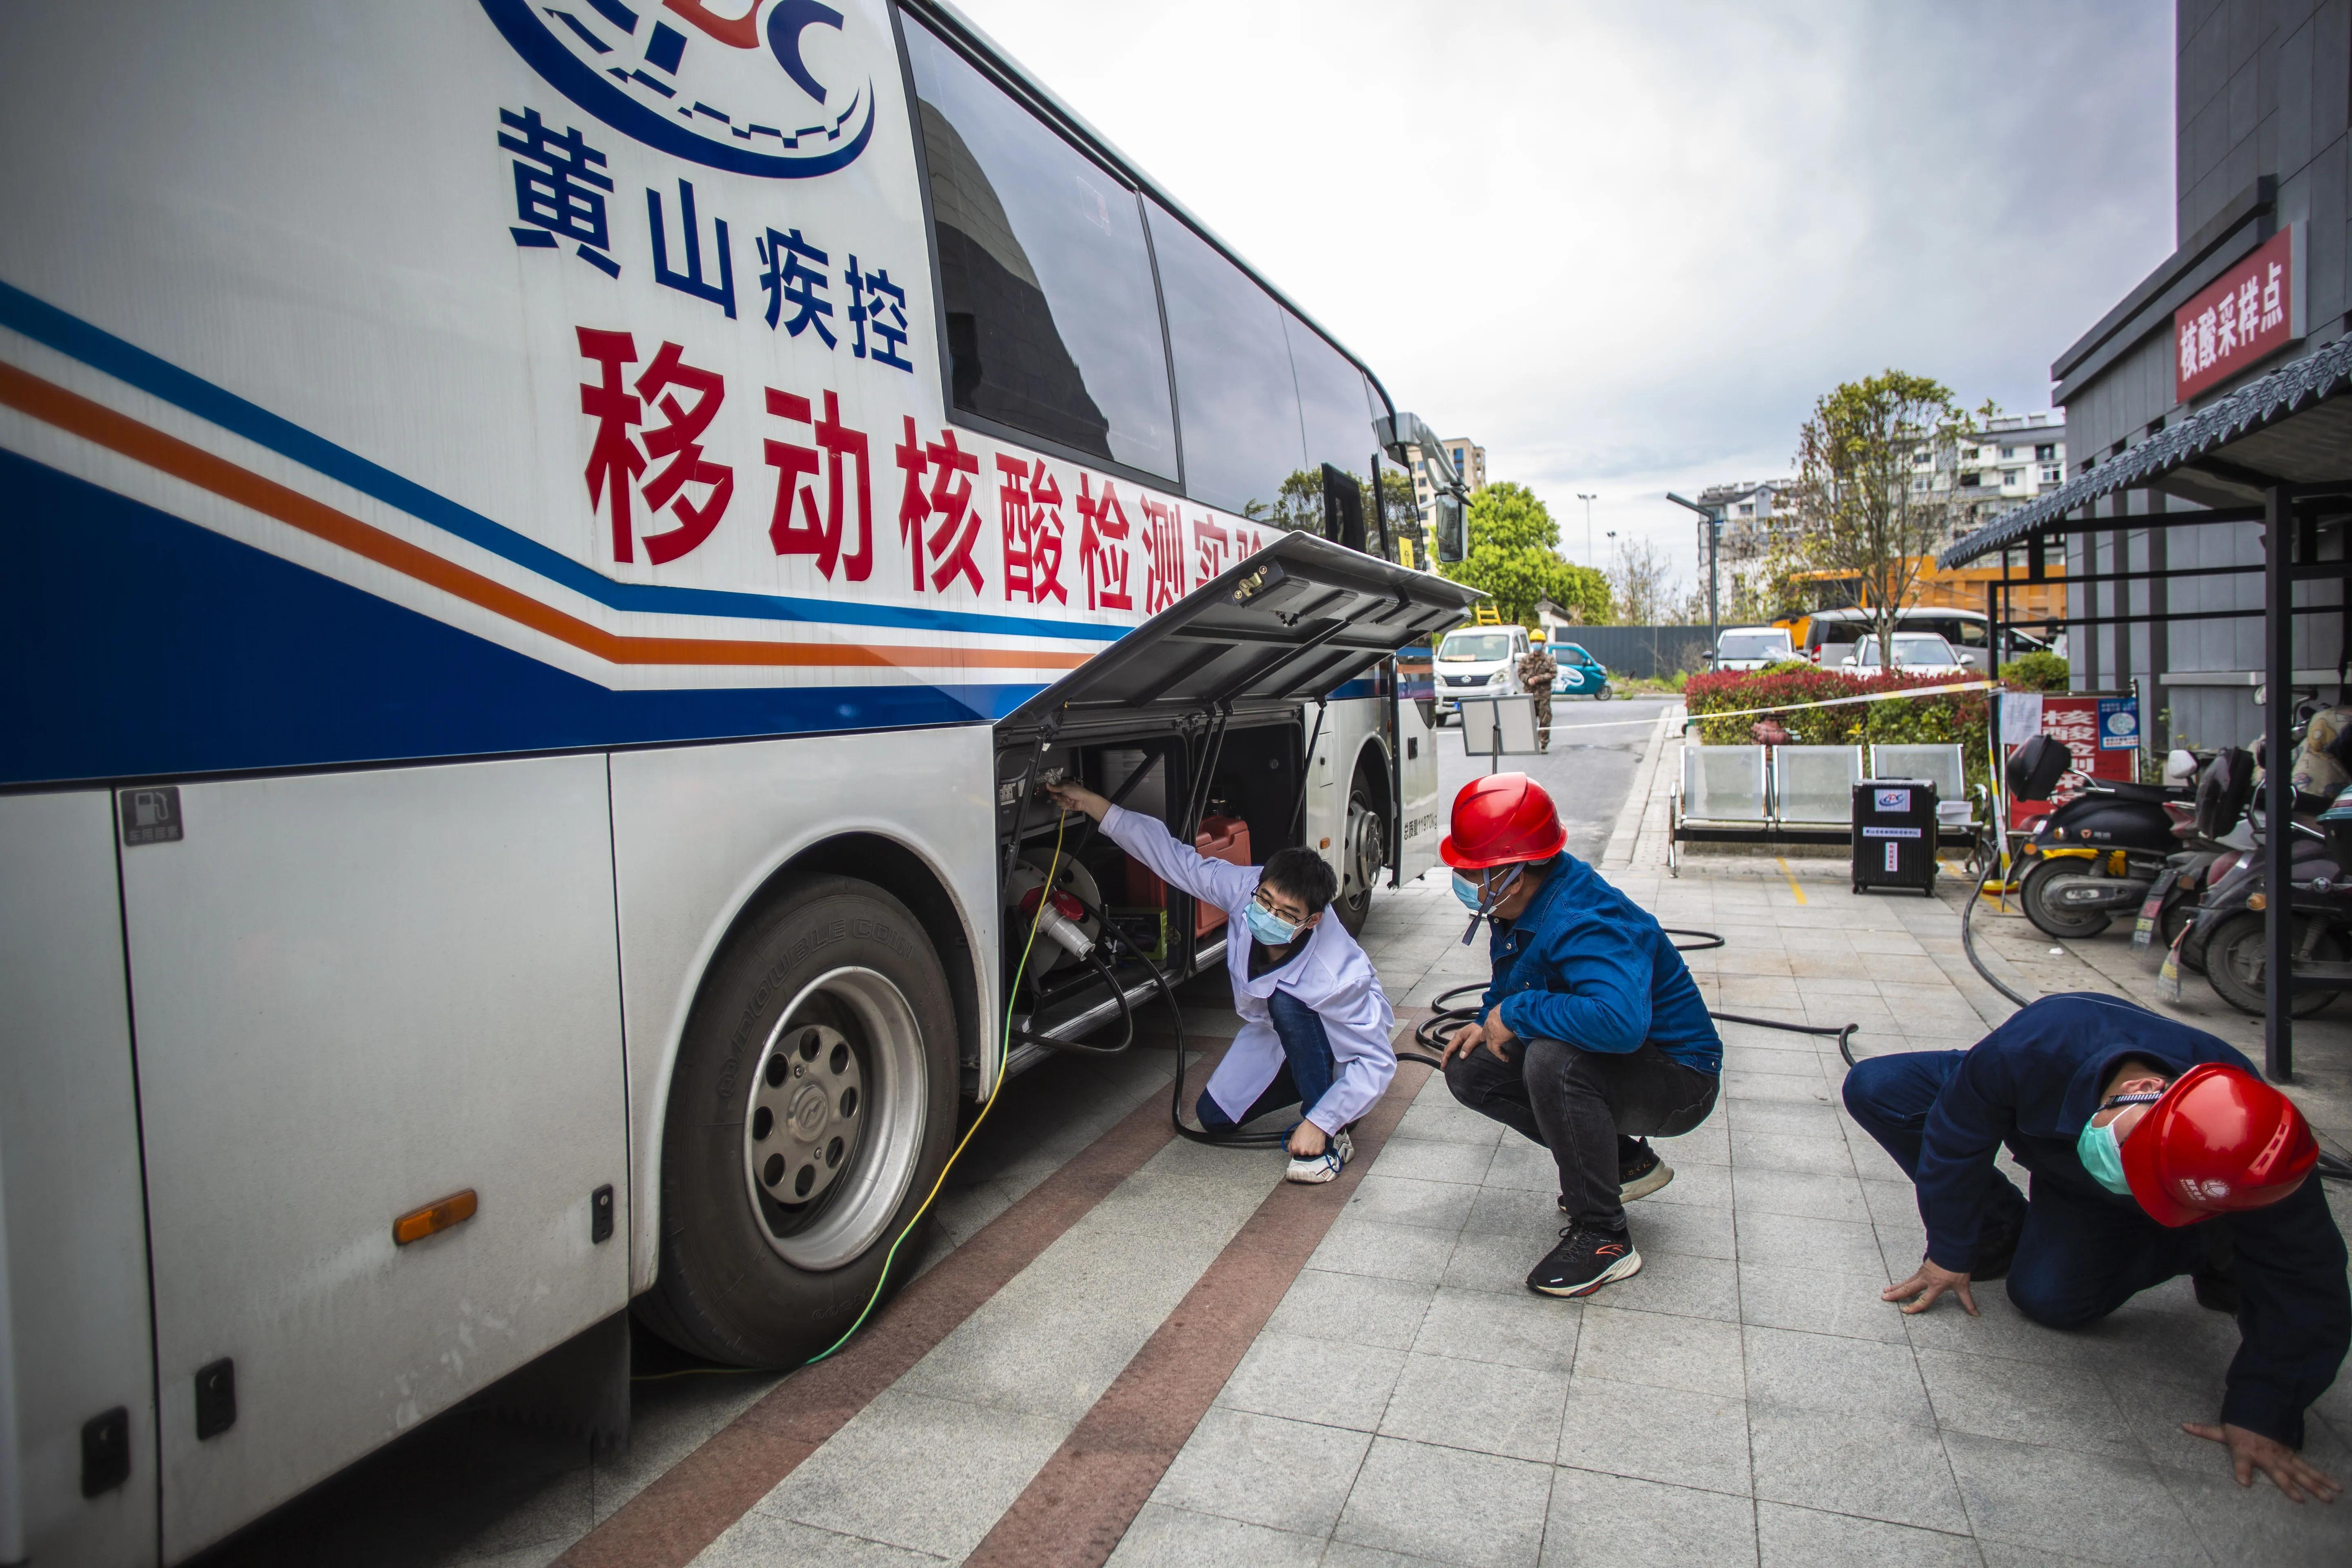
x=2249 y=312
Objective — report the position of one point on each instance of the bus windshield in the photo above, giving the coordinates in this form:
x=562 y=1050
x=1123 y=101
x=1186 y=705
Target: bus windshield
x=1464 y=646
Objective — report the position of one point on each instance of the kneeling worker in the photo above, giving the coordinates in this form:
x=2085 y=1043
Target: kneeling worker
x=2155 y=1152
x=1314 y=1023
x=1592 y=1037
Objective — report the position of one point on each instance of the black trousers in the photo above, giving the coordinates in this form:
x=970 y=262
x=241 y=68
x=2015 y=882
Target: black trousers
x=1578 y=1103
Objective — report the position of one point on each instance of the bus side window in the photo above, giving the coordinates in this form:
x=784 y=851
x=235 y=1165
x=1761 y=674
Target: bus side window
x=1234 y=380
x=1045 y=274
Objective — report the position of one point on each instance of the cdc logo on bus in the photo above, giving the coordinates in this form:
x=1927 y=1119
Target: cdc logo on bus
x=772 y=90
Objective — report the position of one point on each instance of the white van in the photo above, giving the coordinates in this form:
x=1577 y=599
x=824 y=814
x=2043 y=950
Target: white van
x=1751 y=647
x=1478 y=661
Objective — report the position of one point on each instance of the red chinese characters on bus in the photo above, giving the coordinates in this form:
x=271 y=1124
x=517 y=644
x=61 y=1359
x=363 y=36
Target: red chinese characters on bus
x=843 y=450
x=1211 y=542
x=1103 y=547
x=949 y=499
x=1029 y=504
x=617 y=462
x=1163 y=544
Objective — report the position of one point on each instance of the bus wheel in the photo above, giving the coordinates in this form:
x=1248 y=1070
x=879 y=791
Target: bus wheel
x=812 y=1107
x=1363 y=852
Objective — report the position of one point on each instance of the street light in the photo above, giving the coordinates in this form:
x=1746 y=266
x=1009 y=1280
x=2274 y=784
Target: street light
x=1587 y=501
x=1714 y=541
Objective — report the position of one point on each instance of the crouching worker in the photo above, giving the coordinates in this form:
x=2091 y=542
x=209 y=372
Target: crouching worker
x=1314 y=1023
x=1592 y=1038
x=2155 y=1152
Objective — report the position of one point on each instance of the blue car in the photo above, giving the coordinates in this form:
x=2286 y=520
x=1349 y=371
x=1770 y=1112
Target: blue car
x=1578 y=674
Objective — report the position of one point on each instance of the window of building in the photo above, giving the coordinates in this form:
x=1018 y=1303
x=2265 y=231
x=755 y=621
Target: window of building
x=1053 y=326
x=1233 y=381
x=1747 y=508
x=2010 y=476
x=2046 y=454
x=2008 y=453
x=2052 y=473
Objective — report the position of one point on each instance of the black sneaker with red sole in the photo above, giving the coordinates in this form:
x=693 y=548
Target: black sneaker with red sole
x=1585 y=1260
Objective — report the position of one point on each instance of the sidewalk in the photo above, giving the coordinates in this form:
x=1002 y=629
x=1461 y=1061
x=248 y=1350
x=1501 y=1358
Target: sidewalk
x=1130 y=1348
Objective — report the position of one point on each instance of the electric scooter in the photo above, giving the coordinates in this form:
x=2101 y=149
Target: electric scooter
x=2214 y=836
x=2093 y=856
x=2228 y=937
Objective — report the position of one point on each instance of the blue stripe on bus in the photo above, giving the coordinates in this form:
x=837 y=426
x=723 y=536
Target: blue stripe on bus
x=78 y=339
x=133 y=643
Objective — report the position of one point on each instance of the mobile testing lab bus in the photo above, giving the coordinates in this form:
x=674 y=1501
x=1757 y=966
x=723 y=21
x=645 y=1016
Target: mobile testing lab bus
x=551 y=545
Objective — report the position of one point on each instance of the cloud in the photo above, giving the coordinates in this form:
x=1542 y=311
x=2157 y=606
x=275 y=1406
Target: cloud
x=1626 y=247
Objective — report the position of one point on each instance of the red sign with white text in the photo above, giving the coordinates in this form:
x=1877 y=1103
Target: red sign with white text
x=2247 y=314
x=2072 y=718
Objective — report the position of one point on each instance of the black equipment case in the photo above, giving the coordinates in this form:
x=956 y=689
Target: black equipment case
x=1895 y=834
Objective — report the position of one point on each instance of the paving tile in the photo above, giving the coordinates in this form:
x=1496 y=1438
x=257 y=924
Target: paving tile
x=1805 y=1538
x=1821 y=1371
x=1484 y=1261
x=1709 y=1144
x=1478 y=1406
x=1737 y=1085
x=1825 y=1155
x=1443 y=1120
x=1812 y=1302
x=1516 y=1211
x=1524 y=1165
x=2153 y=1409
x=1313 y=1380
x=1164 y=1537
x=954 y=1469
x=1424 y=1161
x=1480 y=1510
x=1695 y=1186
x=1354 y=1308
x=1265 y=1470
x=1518 y=1328
x=1347 y=1554
x=1355 y=1245
x=2063 y=1404
x=1833 y=1246
x=1892 y=1470
x=1048 y=1363
x=2256 y=1525
x=1402 y=1200
x=1600 y=1520
x=2036 y=1496
x=1679 y=1283
x=1785 y=1117
x=1661 y=1349
x=1686 y=1228
x=758 y=1540
x=1809 y=1194
x=1663 y=1435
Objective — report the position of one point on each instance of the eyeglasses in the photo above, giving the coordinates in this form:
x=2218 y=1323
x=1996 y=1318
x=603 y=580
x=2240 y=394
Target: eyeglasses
x=1296 y=917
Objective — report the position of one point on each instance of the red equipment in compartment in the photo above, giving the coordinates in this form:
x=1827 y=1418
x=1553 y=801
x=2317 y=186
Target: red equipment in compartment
x=1226 y=839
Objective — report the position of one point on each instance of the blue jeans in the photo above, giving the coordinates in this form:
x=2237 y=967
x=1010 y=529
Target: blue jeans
x=2078 y=1256
x=1306 y=1074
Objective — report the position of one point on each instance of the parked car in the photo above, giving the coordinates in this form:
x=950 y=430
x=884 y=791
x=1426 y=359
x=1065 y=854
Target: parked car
x=1826 y=636
x=1577 y=673
x=1916 y=653
x=1751 y=647
x=1478 y=661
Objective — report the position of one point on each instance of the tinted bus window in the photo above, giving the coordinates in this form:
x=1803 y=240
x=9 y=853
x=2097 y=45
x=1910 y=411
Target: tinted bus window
x=1233 y=383
x=1051 y=321
x=1331 y=402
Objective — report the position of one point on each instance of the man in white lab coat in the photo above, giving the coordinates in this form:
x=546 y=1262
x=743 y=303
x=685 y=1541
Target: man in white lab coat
x=1314 y=1023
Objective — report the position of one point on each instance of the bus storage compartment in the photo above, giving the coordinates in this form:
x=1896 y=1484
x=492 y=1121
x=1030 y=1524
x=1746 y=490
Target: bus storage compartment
x=1226 y=839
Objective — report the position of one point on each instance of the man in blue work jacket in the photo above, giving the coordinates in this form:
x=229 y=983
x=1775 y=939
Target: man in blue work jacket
x=2155 y=1152
x=1593 y=1036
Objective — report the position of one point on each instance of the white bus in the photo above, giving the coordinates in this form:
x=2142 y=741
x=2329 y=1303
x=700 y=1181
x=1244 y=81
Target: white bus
x=552 y=543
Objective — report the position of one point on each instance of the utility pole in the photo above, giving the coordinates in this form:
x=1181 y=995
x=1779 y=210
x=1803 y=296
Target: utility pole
x=1713 y=542
x=1587 y=501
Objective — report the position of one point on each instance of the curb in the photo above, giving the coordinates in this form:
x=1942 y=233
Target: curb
x=1626 y=834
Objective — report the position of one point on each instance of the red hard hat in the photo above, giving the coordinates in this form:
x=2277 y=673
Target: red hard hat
x=2219 y=1140
x=1499 y=819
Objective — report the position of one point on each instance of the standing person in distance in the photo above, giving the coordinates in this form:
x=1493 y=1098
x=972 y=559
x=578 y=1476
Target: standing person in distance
x=1316 y=1025
x=1592 y=1038
x=1537 y=669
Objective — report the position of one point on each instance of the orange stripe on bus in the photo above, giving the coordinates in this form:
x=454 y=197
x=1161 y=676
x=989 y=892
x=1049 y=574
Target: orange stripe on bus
x=94 y=422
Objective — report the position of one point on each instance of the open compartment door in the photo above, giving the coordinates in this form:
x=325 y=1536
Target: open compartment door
x=1291 y=623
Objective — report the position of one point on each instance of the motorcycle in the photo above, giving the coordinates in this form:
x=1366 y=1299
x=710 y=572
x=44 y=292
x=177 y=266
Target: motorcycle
x=2095 y=855
x=2229 y=936
x=2214 y=836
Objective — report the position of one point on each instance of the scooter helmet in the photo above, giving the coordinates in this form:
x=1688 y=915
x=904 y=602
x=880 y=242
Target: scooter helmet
x=2219 y=1142
x=1499 y=820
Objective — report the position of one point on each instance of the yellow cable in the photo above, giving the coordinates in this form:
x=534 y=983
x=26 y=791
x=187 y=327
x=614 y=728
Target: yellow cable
x=1003 y=1059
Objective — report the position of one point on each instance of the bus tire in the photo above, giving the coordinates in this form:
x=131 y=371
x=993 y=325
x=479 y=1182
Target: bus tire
x=812 y=1109
x=1363 y=849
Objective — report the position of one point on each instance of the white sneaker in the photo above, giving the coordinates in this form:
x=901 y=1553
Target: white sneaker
x=1338 y=1150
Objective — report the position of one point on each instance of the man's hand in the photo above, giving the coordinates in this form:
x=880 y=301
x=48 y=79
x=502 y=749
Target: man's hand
x=1494 y=1034
x=1077 y=797
x=2251 y=1451
x=1929 y=1283
x=1307 y=1141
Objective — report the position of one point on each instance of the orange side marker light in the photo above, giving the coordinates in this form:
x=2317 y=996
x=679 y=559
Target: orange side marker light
x=435 y=1217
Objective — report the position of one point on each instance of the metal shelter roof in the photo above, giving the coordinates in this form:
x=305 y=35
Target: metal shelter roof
x=2281 y=428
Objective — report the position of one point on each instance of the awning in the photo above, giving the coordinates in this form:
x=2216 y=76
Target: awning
x=2284 y=427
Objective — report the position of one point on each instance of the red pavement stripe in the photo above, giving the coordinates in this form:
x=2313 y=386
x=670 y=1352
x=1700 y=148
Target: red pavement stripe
x=676 y=1516
x=1075 y=1510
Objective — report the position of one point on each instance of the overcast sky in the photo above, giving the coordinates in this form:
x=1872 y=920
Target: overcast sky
x=1625 y=247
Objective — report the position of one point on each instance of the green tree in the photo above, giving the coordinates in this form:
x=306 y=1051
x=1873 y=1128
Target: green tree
x=1514 y=555
x=1873 y=487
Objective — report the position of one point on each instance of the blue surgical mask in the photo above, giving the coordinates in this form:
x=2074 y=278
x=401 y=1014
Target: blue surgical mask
x=1467 y=891
x=1268 y=927
x=2103 y=1156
